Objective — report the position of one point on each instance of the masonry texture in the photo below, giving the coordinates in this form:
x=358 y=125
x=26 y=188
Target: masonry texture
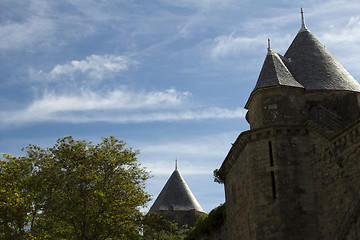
x=296 y=173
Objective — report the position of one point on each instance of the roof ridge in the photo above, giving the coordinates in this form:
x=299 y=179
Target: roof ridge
x=281 y=58
x=275 y=72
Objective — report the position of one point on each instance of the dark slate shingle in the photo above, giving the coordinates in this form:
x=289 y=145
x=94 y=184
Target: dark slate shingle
x=176 y=195
x=274 y=72
x=314 y=67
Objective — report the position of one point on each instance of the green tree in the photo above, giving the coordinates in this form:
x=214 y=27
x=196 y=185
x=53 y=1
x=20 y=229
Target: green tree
x=218 y=178
x=208 y=223
x=74 y=190
x=156 y=227
x=15 y=197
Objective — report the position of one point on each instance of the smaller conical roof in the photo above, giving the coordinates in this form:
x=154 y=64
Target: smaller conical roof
x=176 y=196
x=274 y=72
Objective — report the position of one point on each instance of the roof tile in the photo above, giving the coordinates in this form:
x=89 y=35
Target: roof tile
x=176 y=195
x=314 y=67
x=274 y=72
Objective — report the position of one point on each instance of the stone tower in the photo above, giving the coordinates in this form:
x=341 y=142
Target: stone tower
x=295 y=173
x=176 y=202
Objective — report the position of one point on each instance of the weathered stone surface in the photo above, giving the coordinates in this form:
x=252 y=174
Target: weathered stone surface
x=296 y=173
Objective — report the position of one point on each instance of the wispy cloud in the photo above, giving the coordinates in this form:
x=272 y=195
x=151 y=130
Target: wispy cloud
x=15 y=35
x=232 y=44
x=349 y=33
x=95 y=66
x=209 y=146
x=120 y=99
x=92 y=83
x=206 y=5
x=93 y=69
x=67 y=98
x=198 y=155
x=33 y=115
x=38 y=25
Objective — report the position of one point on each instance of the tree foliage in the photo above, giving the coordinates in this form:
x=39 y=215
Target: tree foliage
x=208 y=223
x=74 y=190
x=15 y=197
x=156 y=227
x=218 y=178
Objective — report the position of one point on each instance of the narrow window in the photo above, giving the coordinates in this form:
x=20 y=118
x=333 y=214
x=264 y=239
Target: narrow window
x=271 y=155
x=272 y=172
x=273 y=184
x=233 y=193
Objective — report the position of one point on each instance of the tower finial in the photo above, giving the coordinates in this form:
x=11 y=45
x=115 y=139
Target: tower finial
x=303 y=26
x=269 y=47
x=175 y=164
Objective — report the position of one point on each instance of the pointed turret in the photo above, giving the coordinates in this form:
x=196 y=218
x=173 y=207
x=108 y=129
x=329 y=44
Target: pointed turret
x=306 y=65
x=302 y=115
x=176 y=195
x=274 y=72
x=313 y=66
x=177 y=202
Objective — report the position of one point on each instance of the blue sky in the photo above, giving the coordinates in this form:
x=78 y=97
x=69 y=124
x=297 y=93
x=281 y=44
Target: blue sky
x=170 y=78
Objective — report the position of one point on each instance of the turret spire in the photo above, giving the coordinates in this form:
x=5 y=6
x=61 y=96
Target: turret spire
x=303 y=26
x=269 y=47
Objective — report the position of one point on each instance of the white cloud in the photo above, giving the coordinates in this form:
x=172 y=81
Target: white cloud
x=76 y=81
x=15 y=35
x=29 y=115
x=225 y=45
x=120 y=99
x=95 y=66
x=198 y=155
x=204 y=147
x=40 y=25
x=349 y=33
x=118 y=106
x=207 y=5
x=234 y=45
x=202 y=114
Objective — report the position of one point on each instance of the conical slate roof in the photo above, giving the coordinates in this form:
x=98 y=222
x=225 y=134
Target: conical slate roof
x=274 y=72
x=176 y=196
x=314 y=67
x=307 y=64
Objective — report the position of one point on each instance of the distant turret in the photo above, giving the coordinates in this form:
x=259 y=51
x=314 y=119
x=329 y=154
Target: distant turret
x=176 y=202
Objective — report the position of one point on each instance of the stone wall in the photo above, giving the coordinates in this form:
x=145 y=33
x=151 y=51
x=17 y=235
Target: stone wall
x=280 y=106
x=269 y=189
x=337 y=182
x=239 y=202
x=296 y=173
x=317 y=184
